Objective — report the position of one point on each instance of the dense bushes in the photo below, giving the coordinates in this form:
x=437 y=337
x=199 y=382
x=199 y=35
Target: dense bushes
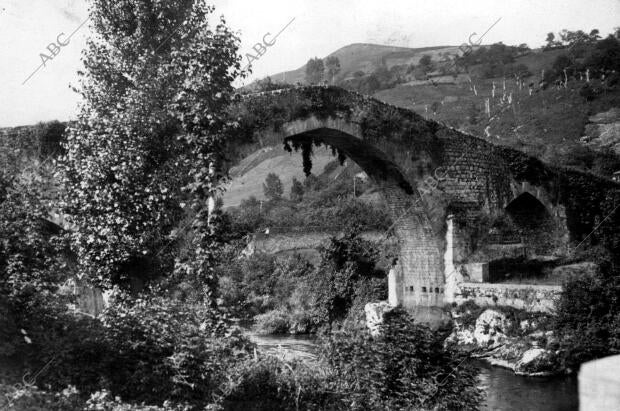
x=289 y=295
x=147 y=350
x=323 y=204
x=496 y=60
x=259 y=283
x=588 y=315
x=405 y=368
x=270 y=383
x=346 y=271
x=600 y=58
x=33 y=264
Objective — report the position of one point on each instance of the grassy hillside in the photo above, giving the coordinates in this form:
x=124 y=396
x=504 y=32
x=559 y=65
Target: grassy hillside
x=248 y=176
x=366 y=57
x=548 y=123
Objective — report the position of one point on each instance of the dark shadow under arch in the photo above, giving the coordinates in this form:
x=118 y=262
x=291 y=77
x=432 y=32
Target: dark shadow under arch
x=370 y=159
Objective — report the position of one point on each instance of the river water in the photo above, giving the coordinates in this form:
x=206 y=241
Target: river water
x=504 y=390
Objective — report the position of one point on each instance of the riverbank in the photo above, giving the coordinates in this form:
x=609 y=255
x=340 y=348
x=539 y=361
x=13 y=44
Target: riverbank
x=504 y=390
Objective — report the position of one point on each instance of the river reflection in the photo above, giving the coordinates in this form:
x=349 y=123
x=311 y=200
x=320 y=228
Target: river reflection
x=504 y=390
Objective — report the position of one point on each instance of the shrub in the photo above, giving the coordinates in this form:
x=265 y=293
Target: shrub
x=346 y=264
x=272 y=322
x=149 y=349
x=404 y=368
x=297 y=190
x=588 y=316
x=269 y=383
x=272 y=187
x=33 y=264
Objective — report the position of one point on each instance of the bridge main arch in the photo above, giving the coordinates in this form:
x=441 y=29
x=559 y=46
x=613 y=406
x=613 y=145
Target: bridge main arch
x=444 y=228
x=420 y=274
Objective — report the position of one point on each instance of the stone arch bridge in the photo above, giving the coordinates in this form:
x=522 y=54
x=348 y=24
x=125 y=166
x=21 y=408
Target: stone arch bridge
x=449 y=193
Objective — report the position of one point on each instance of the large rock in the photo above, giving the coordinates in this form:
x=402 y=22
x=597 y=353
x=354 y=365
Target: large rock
x=375 y=315
x=537 y=361
x=491 y=327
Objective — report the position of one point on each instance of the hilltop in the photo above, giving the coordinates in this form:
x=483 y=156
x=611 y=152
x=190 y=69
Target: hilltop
x=364 y=57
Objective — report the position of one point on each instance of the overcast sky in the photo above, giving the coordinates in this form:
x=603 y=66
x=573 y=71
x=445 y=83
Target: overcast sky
x=319 y=28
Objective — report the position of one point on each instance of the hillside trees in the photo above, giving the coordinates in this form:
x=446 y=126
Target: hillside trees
x=297 y=190
x=551 y=41
x=332 y=67
x=315 y=69
x=601 y=58
x=157 y=78
x=272 y=187
x=426 y=63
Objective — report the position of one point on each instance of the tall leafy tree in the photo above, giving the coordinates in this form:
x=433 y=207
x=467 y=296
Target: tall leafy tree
x=426 y=62
x=297 y=190
x=272 y=187
x=158 y=76
x=332 y=66
x=315 y=69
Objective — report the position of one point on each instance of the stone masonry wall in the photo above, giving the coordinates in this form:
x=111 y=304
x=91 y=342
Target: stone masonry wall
x=540 y=298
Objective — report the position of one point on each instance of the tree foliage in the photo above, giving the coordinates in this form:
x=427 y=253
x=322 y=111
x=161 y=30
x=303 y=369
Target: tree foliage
x=272 y=187
x=332 y=67
x=33 y=264
x=158 y=76
x=426 y=62
x=407 y=367
x=346 y=264
x=315 y=70
x=297 y=190
x=588 y=315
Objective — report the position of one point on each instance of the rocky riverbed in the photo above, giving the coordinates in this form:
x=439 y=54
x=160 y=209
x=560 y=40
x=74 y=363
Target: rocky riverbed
x=505 y=337
x=527 y=347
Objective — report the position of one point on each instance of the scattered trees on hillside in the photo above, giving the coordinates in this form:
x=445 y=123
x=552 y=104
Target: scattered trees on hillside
x=267 y=84
x=552 y=43
x=497 y=60
x=315 y=70
x=599 y=60
x=426 y=62
x=272 y=187
x=571 y=39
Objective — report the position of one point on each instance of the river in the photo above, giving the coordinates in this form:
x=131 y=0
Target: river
x=504 y=390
